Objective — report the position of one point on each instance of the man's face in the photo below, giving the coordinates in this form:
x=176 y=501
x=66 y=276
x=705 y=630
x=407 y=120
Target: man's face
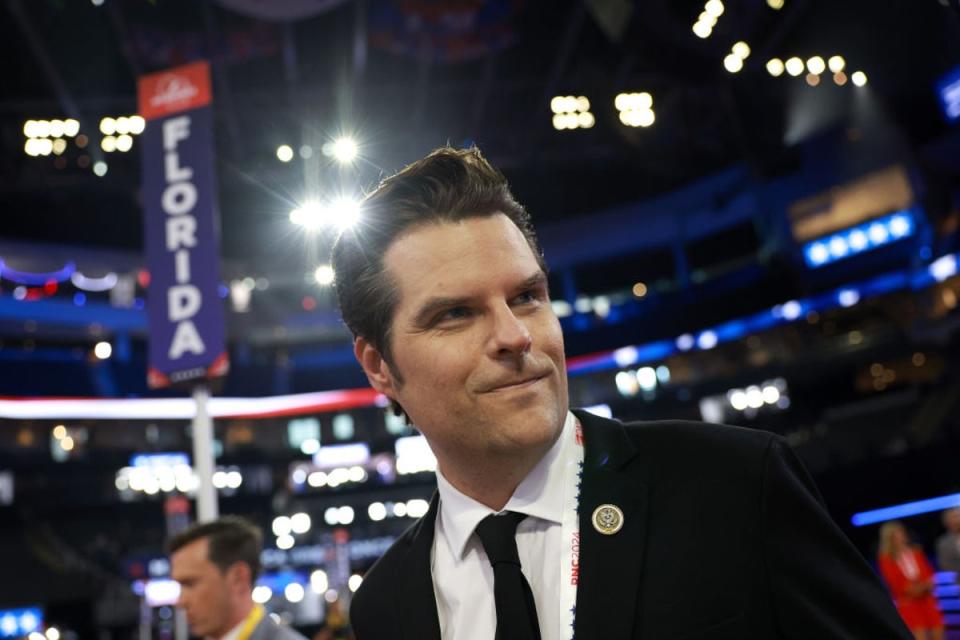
x=952 y=520
x=478 y=360
x=204 y=590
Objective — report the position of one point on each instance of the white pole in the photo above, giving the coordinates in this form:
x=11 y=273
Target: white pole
x=203 y=456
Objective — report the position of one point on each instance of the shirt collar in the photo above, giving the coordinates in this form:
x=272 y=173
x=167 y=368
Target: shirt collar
x=540 y=494
x=234 y=633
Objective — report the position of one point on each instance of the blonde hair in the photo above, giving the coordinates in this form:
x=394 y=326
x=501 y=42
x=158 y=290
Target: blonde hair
x=886 y=536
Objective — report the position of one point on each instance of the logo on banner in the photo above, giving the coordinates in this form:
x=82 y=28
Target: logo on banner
x=172 y=90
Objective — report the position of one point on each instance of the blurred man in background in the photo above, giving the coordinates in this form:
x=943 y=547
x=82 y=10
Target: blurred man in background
x=217 y=564
x=948 y=545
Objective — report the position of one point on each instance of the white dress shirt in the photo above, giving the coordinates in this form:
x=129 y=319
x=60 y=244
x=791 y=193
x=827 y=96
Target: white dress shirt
x=462 y=575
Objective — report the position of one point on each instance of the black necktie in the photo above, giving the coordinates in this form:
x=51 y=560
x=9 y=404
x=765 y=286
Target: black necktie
x=516 y=610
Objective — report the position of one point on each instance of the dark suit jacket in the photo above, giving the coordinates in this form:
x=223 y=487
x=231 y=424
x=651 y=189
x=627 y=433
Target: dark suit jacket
x=724 y=537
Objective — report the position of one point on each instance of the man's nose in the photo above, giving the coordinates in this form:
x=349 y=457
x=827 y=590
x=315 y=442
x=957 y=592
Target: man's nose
x=509 y=334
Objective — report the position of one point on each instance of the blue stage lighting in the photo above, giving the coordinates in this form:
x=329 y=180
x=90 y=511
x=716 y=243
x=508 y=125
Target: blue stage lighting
x=16 y=623
x=906 y=510
x=858 y=239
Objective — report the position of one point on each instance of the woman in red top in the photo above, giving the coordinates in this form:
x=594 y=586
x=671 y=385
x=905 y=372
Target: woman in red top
x=910 y=577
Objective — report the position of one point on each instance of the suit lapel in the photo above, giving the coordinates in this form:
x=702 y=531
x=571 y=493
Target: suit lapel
x=417 y=602
x=610 y=565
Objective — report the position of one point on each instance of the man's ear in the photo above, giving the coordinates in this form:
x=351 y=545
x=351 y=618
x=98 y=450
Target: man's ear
x=239 y=574
x=377 y=370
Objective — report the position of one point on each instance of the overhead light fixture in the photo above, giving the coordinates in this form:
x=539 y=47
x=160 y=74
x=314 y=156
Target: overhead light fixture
x=571 y=112
x=345 y=150
x=636 y=109
x=858 y=239
x=775 y=67
x=836 y=64
x=816 y=65
x=714 y=8
x=794 y=66
x=733 y=63
x=859 y=78
x=324 y=275
x=284 y=153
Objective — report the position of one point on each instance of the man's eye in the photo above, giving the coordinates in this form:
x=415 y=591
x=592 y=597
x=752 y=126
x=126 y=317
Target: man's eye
x=527 y=297
x=454 y=313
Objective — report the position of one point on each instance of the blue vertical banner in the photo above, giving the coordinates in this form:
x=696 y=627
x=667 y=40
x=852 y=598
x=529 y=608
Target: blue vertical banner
x=185 y=312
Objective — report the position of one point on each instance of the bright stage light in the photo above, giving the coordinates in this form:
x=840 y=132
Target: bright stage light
x=647 y=378
x=281 y=526
x=836 y=63
x=136 y=124
x=310 y=215
x=794 y=66
x=863 y=237
x=344 y=212
x=319 y=582
x=300 y=522
x=702 y=30
x=714 y=8
x=571 y=112
x=124 y=142
x=737 y=399
x=354 y=582
x=284 y=153
x=324 y=275
x=733 y=63
x=345 y=150
x=100 y=168
x=293 y=592
x=108 y=126
x=859 y=78
x=741 y=50
x=816 y=65
x=377 y=511
x=103 y=350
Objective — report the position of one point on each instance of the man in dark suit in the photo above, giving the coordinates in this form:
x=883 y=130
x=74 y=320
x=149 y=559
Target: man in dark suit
x=550 y=523
x=217 y=564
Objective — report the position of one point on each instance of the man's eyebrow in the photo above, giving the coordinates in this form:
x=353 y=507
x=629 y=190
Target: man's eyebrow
x=536 y=280
x=433 y=305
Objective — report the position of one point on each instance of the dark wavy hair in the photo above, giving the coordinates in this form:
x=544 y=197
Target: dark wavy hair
x=448 y=185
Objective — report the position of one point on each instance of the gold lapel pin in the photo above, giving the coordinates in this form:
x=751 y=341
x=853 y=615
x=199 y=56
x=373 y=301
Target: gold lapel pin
x=608 y=519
